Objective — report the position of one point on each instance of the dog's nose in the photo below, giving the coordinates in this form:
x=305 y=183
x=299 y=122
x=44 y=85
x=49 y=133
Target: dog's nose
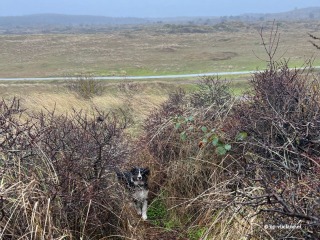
x=139 y=177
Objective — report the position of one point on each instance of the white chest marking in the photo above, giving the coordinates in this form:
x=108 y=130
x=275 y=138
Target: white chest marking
x=140 y=195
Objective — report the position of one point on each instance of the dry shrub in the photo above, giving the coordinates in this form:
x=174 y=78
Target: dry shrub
x=212 y=93
x=56 y=175
x=186 y=135
x=129 y=87
x=268 y=183
x=85 y=85
x=278 y=148
x=158 y=126
x=129 y=93
x=281 y=155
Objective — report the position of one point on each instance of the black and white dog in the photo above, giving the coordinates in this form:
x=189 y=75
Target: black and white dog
x=137 y=182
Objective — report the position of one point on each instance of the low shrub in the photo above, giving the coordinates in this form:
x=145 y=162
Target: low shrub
x=186 y=135
x=57 y=179
x=280 y=156
x=255 y=159
x=163 y=145
x=85 y=85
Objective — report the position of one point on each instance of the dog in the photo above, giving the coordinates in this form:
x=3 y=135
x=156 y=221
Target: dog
x=136 y=181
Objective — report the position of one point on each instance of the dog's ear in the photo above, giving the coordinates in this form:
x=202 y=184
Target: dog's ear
x=134 y=170
x=120 y=175
x=146 y=171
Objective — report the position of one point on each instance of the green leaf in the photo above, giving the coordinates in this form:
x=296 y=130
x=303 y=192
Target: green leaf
x=183 y=136
x=190 y=128
x=215 y=140
x=205 y=140
x=181 y=119
x=221 y=150
x=204 y=129
x=177 y=126
x=241 y=136
x=190 y=119
x=227 y=147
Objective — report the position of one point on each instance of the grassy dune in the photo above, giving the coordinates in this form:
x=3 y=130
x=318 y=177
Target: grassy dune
x=167 y=49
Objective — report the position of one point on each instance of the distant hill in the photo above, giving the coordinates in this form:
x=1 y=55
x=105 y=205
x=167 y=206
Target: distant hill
x=312 y=13
x=65 y=23
x=63 y=20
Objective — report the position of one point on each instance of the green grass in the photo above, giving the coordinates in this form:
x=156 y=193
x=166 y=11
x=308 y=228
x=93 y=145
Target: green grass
x=157 y=211
x=196 y=233
x=150 y=51
x=159 y=215
x=240 y=87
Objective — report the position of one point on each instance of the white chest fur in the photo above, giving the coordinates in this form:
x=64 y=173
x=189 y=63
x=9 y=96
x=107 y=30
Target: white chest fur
x=140 y=195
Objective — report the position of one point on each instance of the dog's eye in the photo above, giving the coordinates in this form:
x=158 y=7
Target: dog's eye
x=146 y=171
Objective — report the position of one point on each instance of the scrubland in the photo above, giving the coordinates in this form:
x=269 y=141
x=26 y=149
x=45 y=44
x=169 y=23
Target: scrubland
x=229 y=159
x=152 y=50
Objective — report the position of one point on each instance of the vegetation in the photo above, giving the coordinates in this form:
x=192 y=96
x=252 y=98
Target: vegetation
x=85 y=85
x=222 y=166
x=229 y=163
x=56 y=180
x=315 y=39
x=252 y=162
x=61 y=23
x=151 y=50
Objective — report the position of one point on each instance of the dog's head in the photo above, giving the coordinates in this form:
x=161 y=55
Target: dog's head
x=139 y=176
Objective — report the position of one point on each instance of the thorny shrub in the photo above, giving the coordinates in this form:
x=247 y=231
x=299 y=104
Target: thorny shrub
x=157 y=138
x=186 y=136
x=256 y=159
x=184 y=114
x=212 y=92
x=278 y=153
x=55 y=174
x=281 y=155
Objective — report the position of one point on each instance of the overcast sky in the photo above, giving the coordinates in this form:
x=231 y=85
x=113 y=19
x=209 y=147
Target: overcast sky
x=151 y=8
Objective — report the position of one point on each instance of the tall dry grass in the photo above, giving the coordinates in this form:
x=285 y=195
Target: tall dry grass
x=186 y=136
x=56 y=174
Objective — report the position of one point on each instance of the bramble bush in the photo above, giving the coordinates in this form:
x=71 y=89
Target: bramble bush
x=186 y=136
x=251 y=162
x=56 y=176
x=280 y=158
